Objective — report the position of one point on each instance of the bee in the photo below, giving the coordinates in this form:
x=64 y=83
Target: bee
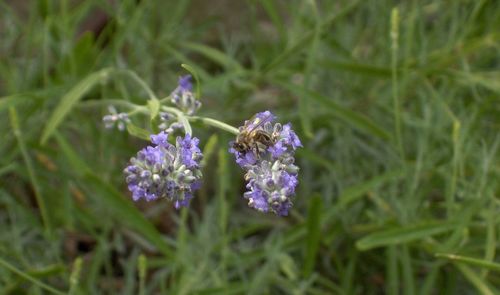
x=253 y=138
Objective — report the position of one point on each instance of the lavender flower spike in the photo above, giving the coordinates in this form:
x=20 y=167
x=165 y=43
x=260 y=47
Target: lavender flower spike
x=163 y=170
x=271 y=174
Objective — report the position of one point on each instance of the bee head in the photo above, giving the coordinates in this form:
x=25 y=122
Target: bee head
x=240 y=147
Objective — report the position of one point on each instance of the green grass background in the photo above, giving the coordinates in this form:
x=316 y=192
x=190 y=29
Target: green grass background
x=399 y=181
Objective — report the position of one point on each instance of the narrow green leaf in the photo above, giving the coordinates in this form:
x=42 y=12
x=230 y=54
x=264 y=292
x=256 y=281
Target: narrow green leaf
x=353 y=193
x=274 y=14
x=486 y=264
x=154 y=111
x=209 y=149
x=215 y=55
x=121 y=208
x=402 y=235
x=288 y=266
x=315 y=158
x=349 y=116
x=482 y=286
x=488 y=80
x=41 y=202
x=124 y=211
x=44 y=272
x=69 y=100
x=313 y=238
x=392 y=285
x=28 y=277
x=8 y=168
x=181 y=57
x=227 y=289
x=13 y=100
x=224 y=183
x=142 y=267
x=75 y=276
x=491 y=237
x=306 y=38
x=154 y=108
x=358 y=68
x=407 y=270
x=77 y=163
x=429 y=284
x=138 y=131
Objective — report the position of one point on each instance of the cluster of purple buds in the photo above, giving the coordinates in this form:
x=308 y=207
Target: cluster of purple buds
x=271 y=174
x=183 y=96
x=120 y=119
x=169 y=123
x=163 y=170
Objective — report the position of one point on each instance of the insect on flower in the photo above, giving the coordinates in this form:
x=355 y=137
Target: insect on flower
x=253 y=137
x=266 y=153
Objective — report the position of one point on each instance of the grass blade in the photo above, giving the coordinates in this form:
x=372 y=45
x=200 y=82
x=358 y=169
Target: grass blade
x=353 y=193
x=302 y=43
x=392 y=286
x=407 y=270
x=109 y=197
x=69 y=100
x=313 y=234
x=352 y=118
x=14 y=121
x=138 y=132
x=75 y=276
x=215 y=55
x=486 y=264
x=475 y=280
x=402 y=235
x=28 y=277
x=358 y=68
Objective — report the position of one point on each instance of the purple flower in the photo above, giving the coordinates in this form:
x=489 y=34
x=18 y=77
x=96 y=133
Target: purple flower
x=165 y=171
x=191 y=154
x=183 y=96
x=160 y=139
x=270 y=187
x=185 y=83
x=289 y=136
x=270 y=172
x=120 y=119
x=243 y=159
x=277 y=149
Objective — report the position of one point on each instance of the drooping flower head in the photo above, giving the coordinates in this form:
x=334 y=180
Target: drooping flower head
x=183 y=96
x=163 y=170
x=115 y=118
x=271 y=174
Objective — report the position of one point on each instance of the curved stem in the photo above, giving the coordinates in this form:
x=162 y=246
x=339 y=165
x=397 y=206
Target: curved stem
x=215 y=123
x=139 y=81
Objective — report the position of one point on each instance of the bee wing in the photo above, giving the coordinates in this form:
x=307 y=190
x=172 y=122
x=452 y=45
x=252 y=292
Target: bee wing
x=255 y=122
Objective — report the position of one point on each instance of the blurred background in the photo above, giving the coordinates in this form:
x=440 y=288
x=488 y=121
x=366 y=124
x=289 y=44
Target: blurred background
x=399 y=182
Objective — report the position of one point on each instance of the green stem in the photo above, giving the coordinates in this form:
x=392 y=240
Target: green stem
x=215 y=123
x=142 y=265
x=395 y=95
x=75 y=276
x=14 y=121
